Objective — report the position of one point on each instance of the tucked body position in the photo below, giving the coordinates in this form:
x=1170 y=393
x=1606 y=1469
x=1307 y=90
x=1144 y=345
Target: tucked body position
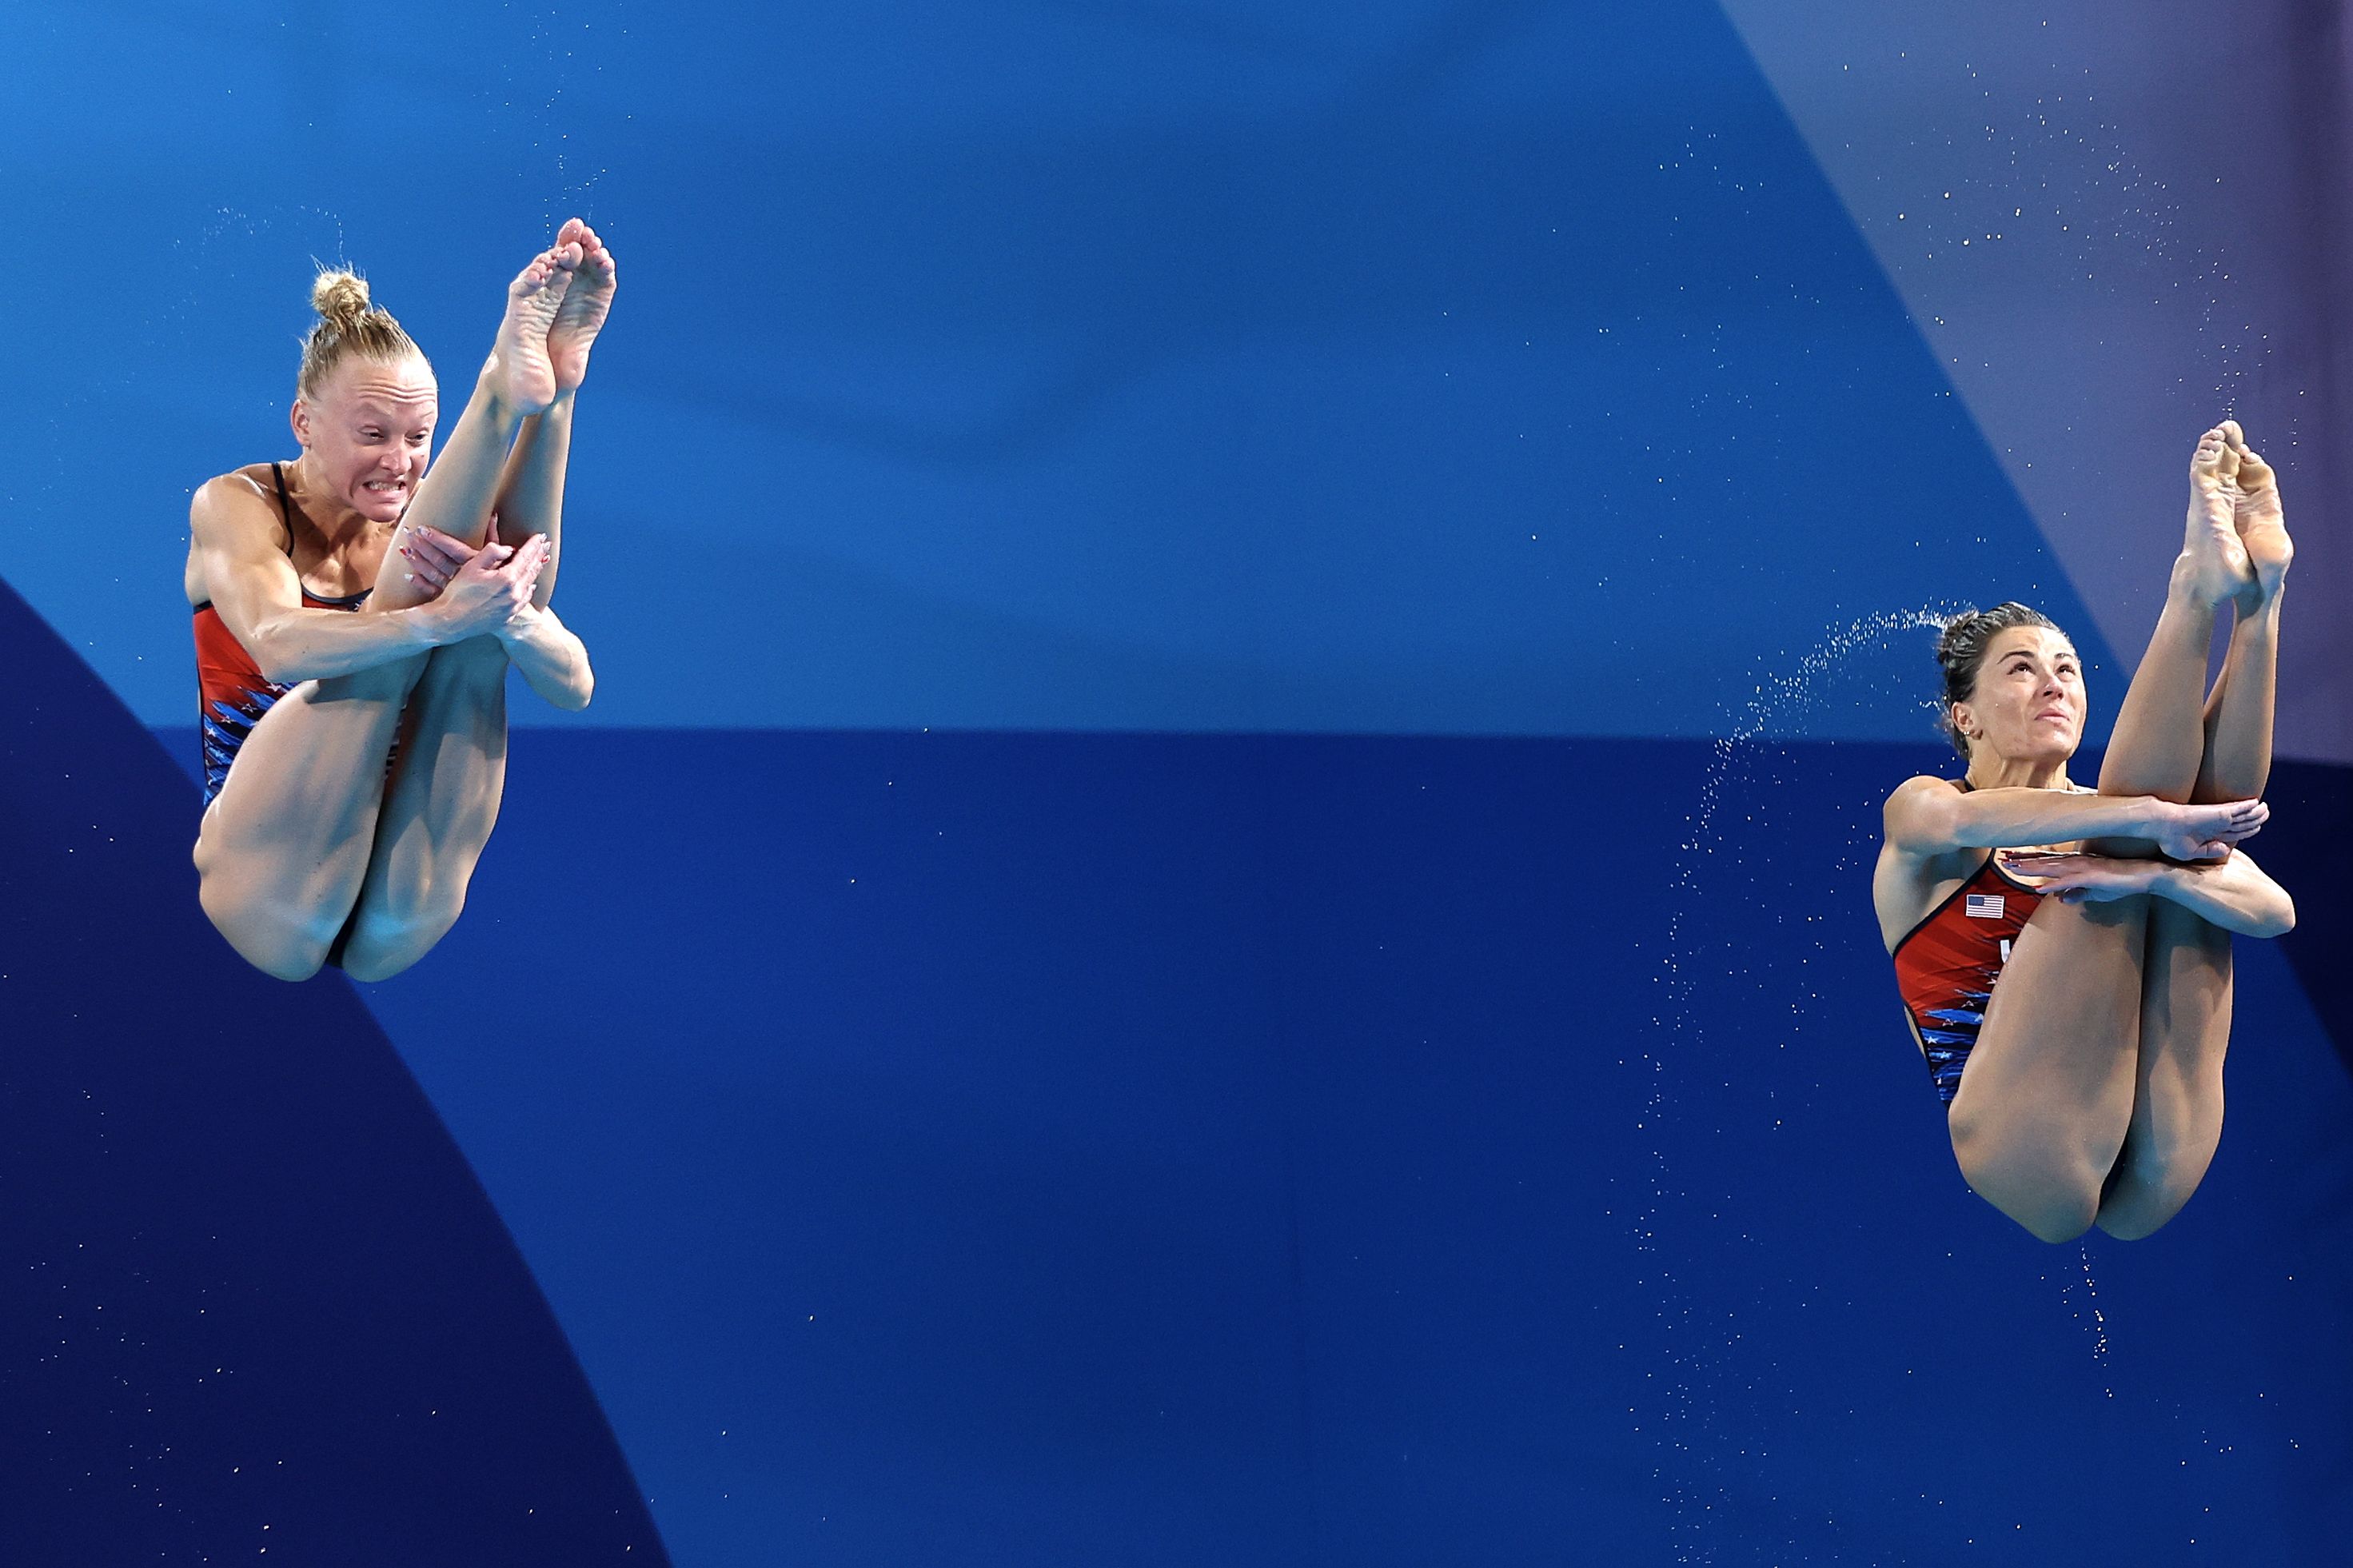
x=2064 y=954
x=355 y=618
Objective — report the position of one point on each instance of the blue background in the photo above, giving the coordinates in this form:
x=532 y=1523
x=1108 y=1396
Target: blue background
x=1214 y=906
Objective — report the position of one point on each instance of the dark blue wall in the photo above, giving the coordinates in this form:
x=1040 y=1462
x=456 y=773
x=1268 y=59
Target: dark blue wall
x=254 y=1299
x=1278 y=1149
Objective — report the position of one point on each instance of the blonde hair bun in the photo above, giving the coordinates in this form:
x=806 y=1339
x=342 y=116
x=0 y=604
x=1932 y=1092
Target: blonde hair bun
x=341 y=298
x=350 y=325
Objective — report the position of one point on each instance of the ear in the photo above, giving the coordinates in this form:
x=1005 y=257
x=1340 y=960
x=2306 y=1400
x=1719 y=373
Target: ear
x=1964 y=721
x=298 y=416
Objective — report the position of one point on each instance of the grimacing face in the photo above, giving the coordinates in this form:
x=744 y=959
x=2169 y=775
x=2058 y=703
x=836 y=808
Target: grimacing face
x=369 y=432
x=2028 y=703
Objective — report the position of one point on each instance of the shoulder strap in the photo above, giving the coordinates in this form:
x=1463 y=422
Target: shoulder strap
x=285 y=507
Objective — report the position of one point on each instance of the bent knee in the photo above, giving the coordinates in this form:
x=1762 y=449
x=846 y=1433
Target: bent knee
x=2054 y=1199
x=2054 y=1221
x=385 y=942
x=282 y=948
x=2052 y=1213
x=2145 y=1201
x=2136 y=1226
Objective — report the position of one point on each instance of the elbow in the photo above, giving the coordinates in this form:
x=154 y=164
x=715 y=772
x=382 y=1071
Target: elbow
x=269 y=656
x=1939 y=825
x=1922 y=817
x=573 y=695
x=2271 y=918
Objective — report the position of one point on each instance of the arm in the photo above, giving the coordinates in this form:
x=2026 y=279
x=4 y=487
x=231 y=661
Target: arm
x=2233 y=893
x=551 y=657
x=1928 y=817
x=253 y=586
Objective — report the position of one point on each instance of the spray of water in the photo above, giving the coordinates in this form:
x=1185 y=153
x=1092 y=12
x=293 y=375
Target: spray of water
x=2097 y=1324
x=540 y=91
x=2055 y=171
x=1686 y=1426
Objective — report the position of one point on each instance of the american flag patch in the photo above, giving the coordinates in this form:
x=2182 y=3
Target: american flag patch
x=1982 y=907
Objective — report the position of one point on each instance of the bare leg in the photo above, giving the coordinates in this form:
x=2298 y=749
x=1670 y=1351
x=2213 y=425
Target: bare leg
x=2047 y=1097
x=2159 y=740
x=531 y=492
x=2177 y=1113
x=458 y=492
x=2237 y=764
x=445 y=799
x=285 y=847
x=531 y=495
x=2239 y=719
x=438 y=812
x=2187 y=998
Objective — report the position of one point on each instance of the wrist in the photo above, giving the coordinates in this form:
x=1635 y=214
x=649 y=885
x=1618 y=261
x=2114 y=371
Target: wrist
x=518 y=626
x=426 y=624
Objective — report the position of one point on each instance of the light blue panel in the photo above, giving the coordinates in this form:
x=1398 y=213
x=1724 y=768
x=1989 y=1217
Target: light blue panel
x=1399 y=371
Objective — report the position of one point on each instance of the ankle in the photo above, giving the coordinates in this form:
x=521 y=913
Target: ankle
x=491 y=399
x=2189 y=591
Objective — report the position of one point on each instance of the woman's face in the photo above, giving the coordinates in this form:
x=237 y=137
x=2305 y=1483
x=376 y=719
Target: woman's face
x=2028 y=703
x=369 y=432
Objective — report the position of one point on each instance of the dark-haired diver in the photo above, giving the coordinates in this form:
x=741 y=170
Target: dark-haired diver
x=354 y=620
x=2087 y=1088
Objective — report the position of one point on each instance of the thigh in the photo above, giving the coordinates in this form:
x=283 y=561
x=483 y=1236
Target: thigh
x=2065 y=1015
x=2176 y=1119
x=2047 y=1094
x=283 y=847
x=438 y=811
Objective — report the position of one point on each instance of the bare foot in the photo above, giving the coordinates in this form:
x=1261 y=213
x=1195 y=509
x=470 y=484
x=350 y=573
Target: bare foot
x=585 y=303
x=2262 y=526
x=519 y=370
x=2212 y=566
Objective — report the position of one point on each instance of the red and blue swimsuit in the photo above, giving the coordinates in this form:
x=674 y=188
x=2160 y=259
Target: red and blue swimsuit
x=1945 y=967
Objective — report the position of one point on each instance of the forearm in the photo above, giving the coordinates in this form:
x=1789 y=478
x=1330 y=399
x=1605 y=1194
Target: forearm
x=2234 y=894
x=552 y=660
x=315 y=644
x=2021 y=819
